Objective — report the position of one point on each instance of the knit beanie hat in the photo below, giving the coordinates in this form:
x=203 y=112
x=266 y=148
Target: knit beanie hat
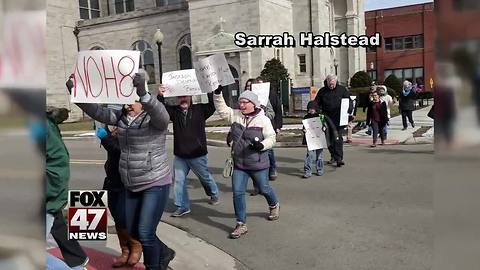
x=251 y=96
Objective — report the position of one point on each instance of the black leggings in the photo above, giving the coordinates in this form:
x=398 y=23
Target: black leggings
x=406 y=114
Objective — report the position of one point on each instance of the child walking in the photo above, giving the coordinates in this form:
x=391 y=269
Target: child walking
x=312 y=111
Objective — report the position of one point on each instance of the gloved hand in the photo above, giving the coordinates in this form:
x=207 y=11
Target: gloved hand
x=139 y=83
x=69 y=83
x=218 y=90
x=256 y=145
x=101 y=133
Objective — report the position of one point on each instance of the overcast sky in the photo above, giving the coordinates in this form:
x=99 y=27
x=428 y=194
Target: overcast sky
x=381 y=4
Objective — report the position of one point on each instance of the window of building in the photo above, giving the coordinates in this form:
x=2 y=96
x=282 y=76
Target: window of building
x=122 y=6
x=371 y=49
x=161 y=3
x=146 y=58
x=404 y=43
x=411 y=74
x=89 y=9
x=302 y=63
x=184 y=50
x=462 y=5
x=373 y=74
x=185 y=58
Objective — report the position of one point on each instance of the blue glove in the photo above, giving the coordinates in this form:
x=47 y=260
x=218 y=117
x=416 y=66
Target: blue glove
x=101 y=133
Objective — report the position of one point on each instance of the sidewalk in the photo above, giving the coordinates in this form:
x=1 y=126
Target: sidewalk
x=191 y=252
x=395 y=133
x=398 y=136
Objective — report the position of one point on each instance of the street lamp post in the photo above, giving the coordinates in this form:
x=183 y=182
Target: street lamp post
x=335 y=64
x=158 y=37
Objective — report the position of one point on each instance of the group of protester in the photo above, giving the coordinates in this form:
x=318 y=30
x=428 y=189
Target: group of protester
x=138 y=177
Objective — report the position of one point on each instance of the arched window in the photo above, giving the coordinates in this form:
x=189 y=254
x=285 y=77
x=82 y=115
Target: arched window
x=184 y=52
x=185 y=58
x=146 y=58
x=96 y=48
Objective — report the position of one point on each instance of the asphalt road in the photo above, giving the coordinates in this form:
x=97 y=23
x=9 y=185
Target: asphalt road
x=374 y=213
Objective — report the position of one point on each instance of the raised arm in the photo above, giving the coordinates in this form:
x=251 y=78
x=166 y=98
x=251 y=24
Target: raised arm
x=101 y=114
x=223 y=110
x=209 y=109
x=95 y=111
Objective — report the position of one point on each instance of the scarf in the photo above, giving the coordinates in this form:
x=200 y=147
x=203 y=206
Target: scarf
x=406 y=91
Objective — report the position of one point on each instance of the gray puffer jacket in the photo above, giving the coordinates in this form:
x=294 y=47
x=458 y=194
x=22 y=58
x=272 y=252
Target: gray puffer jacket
x=143 y=158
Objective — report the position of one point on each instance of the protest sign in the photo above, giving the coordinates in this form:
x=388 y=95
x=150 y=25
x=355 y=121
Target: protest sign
x=344 y=111
x=23 y=51
x=263 y=91
x=181 y=83
x=105 y=76
x=315 y=136
x=213 y=71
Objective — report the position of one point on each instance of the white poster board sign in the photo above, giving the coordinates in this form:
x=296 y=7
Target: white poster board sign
x=344 y=111
x=105 y=76
x=263 y=91
x=23 y=54
x=213 y=71
x=315 y=135
x=181 y=83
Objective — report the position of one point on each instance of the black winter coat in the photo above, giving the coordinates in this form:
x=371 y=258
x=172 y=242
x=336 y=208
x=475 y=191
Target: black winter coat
x=330 y=102
x=277 y=121
x=407 y=103
x=113 y=180
x=383 y=114
x=189 y=139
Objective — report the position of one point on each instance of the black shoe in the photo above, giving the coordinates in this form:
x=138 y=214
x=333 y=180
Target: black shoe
x=404 y=128
x=167 y=257
x=340 y=163
x=413 y=125
x=254 y=193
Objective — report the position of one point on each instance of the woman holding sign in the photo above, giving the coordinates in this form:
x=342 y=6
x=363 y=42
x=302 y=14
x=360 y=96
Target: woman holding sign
x=144 y=170
x=252 y=135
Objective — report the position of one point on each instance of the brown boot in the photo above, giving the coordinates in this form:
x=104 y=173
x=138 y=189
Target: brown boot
x=123 y=237
x=135 y=251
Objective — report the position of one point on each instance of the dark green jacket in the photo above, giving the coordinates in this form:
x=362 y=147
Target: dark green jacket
x=57 y=168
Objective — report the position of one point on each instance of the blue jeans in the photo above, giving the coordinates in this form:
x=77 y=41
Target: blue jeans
x=199 y=166
x=239 y=187
x=311 y=156
x=271 y=157
x=143 y=211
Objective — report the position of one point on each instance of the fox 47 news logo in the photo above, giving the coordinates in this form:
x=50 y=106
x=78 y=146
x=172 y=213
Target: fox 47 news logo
x=87 y=214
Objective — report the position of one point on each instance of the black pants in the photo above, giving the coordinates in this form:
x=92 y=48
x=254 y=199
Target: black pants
x=406 y=114
x=72 y=252
x=377 y=129
x=336 y=147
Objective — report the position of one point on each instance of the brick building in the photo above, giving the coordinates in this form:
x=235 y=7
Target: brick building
x=464 y=33
x=408 y=44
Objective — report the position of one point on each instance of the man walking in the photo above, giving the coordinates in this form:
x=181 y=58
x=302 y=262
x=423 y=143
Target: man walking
x=190 y=149
x=329 y=99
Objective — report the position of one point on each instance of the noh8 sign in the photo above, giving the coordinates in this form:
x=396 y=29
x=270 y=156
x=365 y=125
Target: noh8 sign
x=87 y=214
x=105 y=76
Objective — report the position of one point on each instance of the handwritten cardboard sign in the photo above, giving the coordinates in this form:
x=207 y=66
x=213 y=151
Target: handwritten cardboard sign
x=344 y=111
x=181 y=83
x=263 y=91
x=105 y=76
x=23 y=51
x=315 y=136
x=213 y=71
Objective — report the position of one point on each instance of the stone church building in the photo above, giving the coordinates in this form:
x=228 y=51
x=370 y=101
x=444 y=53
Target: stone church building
x=197 y=28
